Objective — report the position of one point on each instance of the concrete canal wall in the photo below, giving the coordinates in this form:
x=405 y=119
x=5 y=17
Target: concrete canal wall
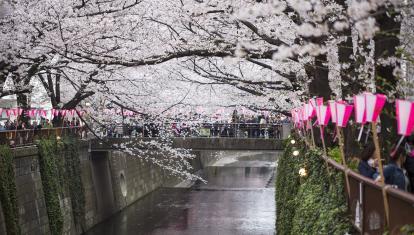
x=111 y=180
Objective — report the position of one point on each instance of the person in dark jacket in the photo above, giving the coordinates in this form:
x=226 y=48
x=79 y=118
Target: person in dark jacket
x=367 y=165
x=393 y=172
x=409 y=162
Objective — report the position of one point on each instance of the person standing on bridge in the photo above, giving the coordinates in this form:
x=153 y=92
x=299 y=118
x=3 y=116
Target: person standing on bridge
x=394 y=173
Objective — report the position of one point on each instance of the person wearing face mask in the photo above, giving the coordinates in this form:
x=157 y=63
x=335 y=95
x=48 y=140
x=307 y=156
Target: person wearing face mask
x=394 y=172
x=409 y=162
x=367 y=165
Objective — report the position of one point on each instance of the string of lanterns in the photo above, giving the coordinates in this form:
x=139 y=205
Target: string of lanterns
x=41 y=112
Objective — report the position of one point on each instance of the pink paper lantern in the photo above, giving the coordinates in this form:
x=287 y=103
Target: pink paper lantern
x=332 y=107
x=405 y=117
x=373 y=106
x=319 y=101
x=343 y=113
x=303 y=114
x=312 y=108
x=323 y=114
x=310 y=111
x=359 y=104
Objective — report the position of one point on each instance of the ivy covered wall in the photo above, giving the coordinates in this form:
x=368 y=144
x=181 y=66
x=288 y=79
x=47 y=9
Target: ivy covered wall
x=61 y=177
x=311 y=203
x=8 y=191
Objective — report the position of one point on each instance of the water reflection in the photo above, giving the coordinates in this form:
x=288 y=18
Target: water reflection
x=236 y=200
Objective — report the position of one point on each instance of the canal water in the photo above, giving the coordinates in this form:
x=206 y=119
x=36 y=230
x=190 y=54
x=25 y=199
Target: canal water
x=239 y=198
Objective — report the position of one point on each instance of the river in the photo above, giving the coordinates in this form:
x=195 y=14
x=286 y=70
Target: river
x=239 y=198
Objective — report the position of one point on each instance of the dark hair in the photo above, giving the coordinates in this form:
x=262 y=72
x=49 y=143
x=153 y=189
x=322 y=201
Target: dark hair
x=368 y=151
x=397 y=152
x=410 y=139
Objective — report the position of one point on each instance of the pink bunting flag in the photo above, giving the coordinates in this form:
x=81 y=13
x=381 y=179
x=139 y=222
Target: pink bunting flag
x=72 y=112
x=63 y=112
x=405 y=117
x=343 y=113
x=373 y=106
x=15 y=112
x=323 y=114
x=332 y=108
x=44 y=113
x=8 y=112
x=81 y=113
x=1 y=112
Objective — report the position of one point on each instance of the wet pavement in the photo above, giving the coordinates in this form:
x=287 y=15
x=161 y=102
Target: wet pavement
x=238 y=199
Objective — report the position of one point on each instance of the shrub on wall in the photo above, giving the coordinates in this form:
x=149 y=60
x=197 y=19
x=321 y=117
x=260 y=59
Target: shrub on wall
x=314 y=203
x=8 y=191
x=73 y=179
x=321 y=206
x=287 y=184
x=51 y=180
x=60 y=170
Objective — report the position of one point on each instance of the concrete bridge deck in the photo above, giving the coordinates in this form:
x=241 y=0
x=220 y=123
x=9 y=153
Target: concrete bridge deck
x=199 y=143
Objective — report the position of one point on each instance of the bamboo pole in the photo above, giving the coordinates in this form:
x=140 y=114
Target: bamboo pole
x=381 y=170
x=323 y=140
x=341 y=148
x=312 y=135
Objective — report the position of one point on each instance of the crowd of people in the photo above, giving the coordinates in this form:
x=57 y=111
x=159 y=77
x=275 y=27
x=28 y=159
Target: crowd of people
x=399 y=172
x=11 y=125
x=243 y=126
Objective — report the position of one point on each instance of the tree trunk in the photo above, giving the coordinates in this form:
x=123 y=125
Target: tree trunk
x=318 y=75
x=386 y=42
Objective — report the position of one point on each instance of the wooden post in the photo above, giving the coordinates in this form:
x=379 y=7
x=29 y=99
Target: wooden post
x=341 y=148
x=323 y=141
x=312 y=135
x=381 y=170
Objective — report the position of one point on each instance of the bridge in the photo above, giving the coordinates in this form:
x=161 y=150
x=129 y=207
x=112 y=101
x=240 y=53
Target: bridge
x=198 y=143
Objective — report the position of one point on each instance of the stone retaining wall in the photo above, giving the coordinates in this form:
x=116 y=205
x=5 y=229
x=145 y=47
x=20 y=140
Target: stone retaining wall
x=111 y=180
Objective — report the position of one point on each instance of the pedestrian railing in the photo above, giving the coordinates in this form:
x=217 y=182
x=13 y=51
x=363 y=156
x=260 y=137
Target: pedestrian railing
x=367 y=207
x=17 y=138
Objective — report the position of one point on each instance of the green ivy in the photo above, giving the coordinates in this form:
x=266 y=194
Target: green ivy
x=51 y=180
x=321 y=206
x=287 y=184
x=73 y=179
x=61 y=172
x=314 y=204
x=335 y=154
x=8 y=193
